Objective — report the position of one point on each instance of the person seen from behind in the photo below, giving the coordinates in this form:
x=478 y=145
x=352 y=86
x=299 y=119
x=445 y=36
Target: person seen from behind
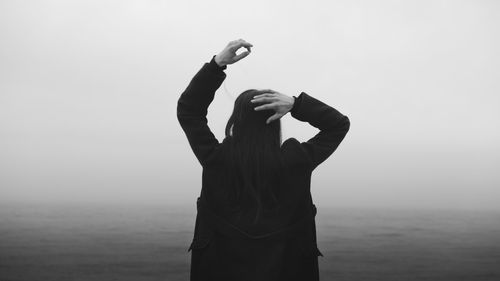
x=255 y=214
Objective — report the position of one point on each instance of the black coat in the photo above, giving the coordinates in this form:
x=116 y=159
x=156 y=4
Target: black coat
x=283 y=246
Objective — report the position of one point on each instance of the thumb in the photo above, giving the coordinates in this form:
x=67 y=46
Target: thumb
x=242 y=55
x=272 y=118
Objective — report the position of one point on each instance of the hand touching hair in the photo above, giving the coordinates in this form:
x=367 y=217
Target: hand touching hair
x=276 y=101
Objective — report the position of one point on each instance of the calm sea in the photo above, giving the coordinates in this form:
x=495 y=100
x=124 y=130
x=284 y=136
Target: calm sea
x=141 y=242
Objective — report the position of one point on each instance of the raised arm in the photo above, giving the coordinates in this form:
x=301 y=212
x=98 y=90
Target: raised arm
x=192 y=108
x=193 y=103
x=332 y=124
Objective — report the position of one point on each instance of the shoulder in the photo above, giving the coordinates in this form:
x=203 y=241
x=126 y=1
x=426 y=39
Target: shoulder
x=294 y=152
x=218 y=155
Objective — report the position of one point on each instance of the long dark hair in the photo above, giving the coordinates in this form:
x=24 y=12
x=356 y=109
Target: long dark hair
x=254 y=161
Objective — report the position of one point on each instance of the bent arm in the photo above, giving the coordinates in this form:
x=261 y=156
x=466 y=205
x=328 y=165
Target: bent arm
x=332 y=124
x=192 y=108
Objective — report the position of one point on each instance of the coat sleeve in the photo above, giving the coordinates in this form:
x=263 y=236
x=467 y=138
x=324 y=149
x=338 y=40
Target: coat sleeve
x=192 y=108
x=332 y=124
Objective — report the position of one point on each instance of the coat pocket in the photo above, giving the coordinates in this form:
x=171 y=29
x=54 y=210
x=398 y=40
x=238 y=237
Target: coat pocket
x=199 y=243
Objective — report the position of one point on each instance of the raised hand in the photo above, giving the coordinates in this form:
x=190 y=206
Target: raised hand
x=229 y=56
x=279 y=102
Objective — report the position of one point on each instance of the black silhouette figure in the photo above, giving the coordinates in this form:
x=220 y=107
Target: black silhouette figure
x=255 y=216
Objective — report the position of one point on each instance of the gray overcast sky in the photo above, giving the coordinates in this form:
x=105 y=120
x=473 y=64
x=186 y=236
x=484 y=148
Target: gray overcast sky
x=88 y=93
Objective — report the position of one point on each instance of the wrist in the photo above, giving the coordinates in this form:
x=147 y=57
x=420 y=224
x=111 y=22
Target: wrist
x=296 y=103
x=219 y=62
x=214 y=65
x=292 y=103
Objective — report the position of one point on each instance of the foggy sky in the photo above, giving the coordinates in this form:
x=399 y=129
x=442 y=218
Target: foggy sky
x=88 y=95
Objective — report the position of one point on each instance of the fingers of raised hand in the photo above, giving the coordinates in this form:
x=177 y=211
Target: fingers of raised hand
x=264 y=106
x=235 y=45
x=242 y=55
x=275 y=116
x=264 y=99
x=265 y=93
x=243 y=43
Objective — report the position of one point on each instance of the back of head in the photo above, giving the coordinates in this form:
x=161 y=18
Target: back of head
x=245 y=122
x=254 y=153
